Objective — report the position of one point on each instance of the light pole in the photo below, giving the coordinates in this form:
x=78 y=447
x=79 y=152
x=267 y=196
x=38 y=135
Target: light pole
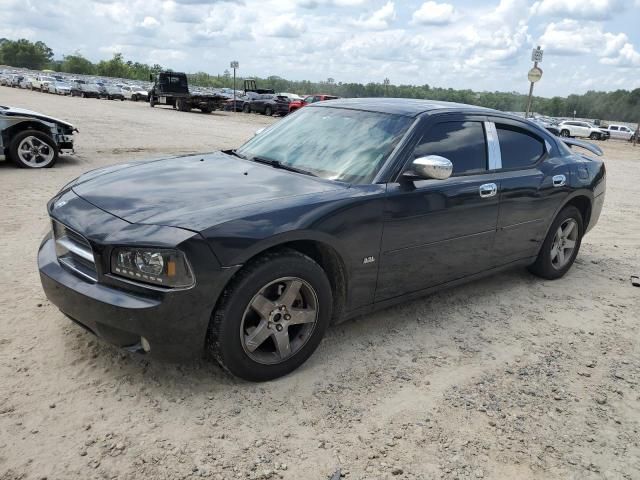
x=234 y=65
x=386 y=82
x=534 y=75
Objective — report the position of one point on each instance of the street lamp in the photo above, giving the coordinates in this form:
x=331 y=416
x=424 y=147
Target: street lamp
x=234 y=65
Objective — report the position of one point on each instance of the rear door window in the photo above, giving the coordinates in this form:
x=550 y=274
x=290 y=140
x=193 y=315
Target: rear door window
x=518 y=147
x=462 y=142
x=613 y=128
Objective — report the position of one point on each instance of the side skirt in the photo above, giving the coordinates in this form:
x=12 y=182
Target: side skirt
x=427 y=291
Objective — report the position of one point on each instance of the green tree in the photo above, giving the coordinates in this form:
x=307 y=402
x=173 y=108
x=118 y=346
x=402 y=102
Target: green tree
x=76 y=63
x=25 y=54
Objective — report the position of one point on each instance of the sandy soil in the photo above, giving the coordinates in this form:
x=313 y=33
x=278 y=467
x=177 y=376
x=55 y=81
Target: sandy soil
x=509 y=377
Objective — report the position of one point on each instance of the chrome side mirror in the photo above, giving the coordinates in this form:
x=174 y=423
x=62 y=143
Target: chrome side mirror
x=433 y=166
x=259 y=131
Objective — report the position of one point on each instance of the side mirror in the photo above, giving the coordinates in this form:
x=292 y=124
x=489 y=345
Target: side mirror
x=259 y=131
x=432 y=166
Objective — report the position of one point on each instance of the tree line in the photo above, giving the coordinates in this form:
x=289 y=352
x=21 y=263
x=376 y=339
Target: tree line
x=623 y=105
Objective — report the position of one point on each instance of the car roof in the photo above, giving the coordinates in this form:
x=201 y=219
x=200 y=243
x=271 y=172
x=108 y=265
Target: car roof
x=403 y=106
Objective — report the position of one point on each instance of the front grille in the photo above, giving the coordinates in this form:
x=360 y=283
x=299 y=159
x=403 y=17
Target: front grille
x=74 y=251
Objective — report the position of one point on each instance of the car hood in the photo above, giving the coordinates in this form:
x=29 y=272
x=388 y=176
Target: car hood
x=21 y=112
x=193 y=192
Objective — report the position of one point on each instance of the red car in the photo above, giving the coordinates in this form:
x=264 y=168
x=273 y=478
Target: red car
x=296 y=104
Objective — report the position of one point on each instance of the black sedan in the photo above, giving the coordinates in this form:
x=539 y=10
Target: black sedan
x=339 y=209
x=268 y=104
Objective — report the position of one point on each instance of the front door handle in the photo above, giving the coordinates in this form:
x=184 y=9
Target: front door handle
x=488 y=190
x=559 y=180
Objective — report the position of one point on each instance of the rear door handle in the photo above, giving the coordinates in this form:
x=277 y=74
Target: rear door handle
x=488 y=190
x=559 y=180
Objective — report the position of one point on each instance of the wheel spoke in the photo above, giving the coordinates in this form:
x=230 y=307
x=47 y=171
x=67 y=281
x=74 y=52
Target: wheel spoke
x=290 y=293
x=258 y=336
x=559 y=234
x=569 y=228
x=26 y=143
x=263 y=306
x=569 y=244
x=561 y=256
x=299 y=316
x=554 y=253
x=282 y=344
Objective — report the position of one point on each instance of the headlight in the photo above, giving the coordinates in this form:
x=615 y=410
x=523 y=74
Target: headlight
x=168 y=268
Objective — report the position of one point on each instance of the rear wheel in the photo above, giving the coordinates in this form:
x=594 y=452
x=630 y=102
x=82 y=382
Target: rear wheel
x=33 y=149
x=272 y=317
x=245 y=108
x=561 y=245
x=267 y=111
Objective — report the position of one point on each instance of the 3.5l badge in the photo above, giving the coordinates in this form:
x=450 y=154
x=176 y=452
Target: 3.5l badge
x=370 y=259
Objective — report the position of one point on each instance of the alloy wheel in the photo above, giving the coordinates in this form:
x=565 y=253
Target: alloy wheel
x=34 y=152
x=564 y=243
x=279 y=320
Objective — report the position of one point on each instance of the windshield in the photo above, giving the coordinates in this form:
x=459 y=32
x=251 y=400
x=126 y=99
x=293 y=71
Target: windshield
x=337 y=144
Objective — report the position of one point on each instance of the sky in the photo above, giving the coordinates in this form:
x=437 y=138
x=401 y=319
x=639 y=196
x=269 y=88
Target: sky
x=481 y=45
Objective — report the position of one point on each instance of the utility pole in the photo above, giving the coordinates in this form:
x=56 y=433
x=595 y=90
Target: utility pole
x=386 y=82
x=534 y=75
x=234 y=65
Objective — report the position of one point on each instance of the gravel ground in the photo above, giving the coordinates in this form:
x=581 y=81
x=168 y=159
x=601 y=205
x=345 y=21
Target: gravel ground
x=508 y=377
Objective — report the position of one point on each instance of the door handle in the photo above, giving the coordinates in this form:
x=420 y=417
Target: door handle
x=488 y=190
x=559 y=180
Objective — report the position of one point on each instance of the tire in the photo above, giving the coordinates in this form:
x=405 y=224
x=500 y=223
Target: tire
x=152 y=102
x=565 y=133
x=134 y=98
x=595 y=136
x=246 y=108
x=545 y=265
x=37 y=139
x=183 y=105
x=268 y=112
x=82 y=95
x=234 y=321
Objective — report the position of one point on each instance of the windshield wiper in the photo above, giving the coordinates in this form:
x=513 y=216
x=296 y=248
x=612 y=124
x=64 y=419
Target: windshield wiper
x=283 y=166
x=234 y=153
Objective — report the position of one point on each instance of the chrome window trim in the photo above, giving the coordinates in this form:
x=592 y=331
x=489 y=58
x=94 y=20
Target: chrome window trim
x=493 y=146
x=75 y=248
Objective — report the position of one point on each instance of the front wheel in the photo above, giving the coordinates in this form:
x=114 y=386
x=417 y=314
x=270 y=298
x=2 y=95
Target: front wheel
x=594 y=136
x=564 y=133
x=33 y=149
x=246 y=108
x=561 y=245
x=272 y=317
x=268 y=112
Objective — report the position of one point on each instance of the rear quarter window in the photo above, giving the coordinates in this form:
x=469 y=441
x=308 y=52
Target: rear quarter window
x=518 y=147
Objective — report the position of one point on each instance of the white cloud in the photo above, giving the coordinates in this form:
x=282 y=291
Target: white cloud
x=571 y=38
x=380 y=19
x=584 y=9
x=432 y=13
x=286 y=27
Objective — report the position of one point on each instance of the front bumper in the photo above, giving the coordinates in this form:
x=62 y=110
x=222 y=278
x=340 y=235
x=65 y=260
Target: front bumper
x=173 y=322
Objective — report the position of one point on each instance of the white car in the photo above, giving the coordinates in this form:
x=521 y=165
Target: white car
x=60 y=88
x=135 y=93
x=576 y=128
x=41 y=82
x=620 y=131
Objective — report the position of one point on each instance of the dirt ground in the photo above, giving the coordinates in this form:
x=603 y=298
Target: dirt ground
x=508 y=377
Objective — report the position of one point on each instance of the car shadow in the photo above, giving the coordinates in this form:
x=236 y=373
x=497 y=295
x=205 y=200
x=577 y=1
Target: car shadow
x=442 y=315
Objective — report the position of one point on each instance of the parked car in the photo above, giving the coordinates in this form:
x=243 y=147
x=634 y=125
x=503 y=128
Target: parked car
x=575 y=128
x=112 y=92
x=15 y=81
x=620 y=131
x=320 y=97
x=60 y=88
x=250 y=254
x=33 y=140
x=135 y=93
x=84 y=89
x=267 y=104
x=26 y=83
x=41 y=82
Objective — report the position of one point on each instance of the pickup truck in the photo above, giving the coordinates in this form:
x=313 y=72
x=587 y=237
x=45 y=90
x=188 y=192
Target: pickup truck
x=620 y=131
x=577 y=128
x=172 y=88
